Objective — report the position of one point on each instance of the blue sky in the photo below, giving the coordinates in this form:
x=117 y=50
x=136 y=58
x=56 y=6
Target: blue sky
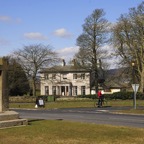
x=57 y=23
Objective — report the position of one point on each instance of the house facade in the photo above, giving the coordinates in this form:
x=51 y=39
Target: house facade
x=65 y=80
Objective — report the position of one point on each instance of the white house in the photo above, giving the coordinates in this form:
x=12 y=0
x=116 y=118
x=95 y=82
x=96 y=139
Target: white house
x=65 y=80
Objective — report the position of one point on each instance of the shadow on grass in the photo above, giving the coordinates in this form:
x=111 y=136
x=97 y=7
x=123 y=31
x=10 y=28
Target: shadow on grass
x=106 y=106
x=103 y=106
x=34 y=120
x=59 y=119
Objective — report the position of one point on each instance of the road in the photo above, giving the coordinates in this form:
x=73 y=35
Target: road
x=88 y=115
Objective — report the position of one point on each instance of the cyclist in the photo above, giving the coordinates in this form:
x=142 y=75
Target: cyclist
x=99 y=98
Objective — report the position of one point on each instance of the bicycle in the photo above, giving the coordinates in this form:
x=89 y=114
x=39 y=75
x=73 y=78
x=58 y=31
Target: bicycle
x=104 y=102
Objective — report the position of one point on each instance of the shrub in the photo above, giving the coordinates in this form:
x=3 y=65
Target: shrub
x=87 y=96
x=117 y=95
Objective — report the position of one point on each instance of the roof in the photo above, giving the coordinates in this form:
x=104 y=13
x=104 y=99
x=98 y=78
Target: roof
x=64 y=69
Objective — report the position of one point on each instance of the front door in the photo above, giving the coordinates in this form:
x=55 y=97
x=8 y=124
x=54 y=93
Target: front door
x=63 y=90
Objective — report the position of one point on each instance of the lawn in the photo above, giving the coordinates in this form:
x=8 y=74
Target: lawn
x=63 y=132
x=84 y=104
x=78 y=103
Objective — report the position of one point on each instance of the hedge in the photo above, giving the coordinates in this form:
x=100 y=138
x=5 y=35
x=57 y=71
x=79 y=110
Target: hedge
x=117 y=95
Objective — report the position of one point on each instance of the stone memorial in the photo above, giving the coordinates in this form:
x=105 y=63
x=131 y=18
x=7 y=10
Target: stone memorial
x=4 y=104
x=7 y=118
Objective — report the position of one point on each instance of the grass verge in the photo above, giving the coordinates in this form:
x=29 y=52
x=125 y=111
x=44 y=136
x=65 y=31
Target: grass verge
x=63 y=132
x=82 y=104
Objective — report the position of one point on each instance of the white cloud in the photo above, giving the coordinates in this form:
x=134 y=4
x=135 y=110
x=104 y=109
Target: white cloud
x=4 y=42
x=110 y=59
x=35 y=36
x=18 y=20
x=62 y=33
x=5 y=18
x=67 y=53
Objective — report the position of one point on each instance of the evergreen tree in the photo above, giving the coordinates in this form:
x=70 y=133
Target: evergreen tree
x=18 y=82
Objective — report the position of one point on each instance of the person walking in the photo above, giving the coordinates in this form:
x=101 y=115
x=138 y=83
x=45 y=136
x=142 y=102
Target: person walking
x=37 y=103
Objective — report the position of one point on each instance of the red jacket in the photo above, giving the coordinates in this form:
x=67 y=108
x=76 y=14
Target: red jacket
x=99 y=94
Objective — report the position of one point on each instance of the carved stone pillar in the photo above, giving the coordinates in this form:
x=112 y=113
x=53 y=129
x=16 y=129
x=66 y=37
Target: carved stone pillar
x=4 y=99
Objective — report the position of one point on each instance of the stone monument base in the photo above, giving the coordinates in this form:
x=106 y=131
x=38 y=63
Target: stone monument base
x=11 y=119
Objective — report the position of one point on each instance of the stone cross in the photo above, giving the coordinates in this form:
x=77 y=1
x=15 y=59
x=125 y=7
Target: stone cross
x=4 y=99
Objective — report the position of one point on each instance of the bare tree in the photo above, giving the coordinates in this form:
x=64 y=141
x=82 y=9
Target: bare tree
x=34 y=57
x=128 y=39
x=91 y=41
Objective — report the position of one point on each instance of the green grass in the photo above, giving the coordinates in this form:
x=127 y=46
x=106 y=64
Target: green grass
x=70 y=104
x=60 y=104
x=63 y=132
x=82 y=104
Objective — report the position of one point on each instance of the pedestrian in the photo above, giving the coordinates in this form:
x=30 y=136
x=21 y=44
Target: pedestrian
x=99 y=98
x=37 y=103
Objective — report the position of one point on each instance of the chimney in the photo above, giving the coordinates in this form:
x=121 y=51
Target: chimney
x=63 y=62
x=74 y=62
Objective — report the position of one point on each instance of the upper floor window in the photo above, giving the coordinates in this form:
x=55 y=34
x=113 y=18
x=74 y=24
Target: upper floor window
x=83 y=76
x=64 y=76
x=74 y=76
x=46 y=76
x=53 y=76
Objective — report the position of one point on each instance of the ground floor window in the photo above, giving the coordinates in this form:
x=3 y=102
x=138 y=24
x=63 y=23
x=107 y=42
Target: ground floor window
x=46 y=90
x=54 y=90
x=75 y=90
x=82 y=90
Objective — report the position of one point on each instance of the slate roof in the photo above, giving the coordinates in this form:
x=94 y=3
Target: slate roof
x=66 y=68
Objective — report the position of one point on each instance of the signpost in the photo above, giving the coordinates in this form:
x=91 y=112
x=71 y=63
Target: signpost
x=135 y=88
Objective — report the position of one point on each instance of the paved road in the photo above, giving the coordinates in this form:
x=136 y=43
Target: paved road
x=88 y=115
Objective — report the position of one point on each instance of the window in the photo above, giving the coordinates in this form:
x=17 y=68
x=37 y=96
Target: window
x=54 y=90
x=53 y=76
x=74 y=76
x=82 y=76
x=46 y=90
x=82 y=90
x=75 y=90
x=46 y=76
x=64 y=76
